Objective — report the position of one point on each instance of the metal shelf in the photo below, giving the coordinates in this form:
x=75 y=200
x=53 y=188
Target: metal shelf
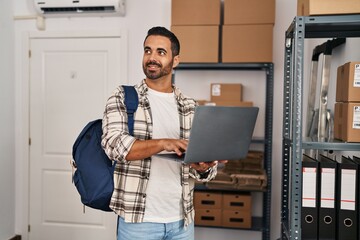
x=203 y=187
x=334 y=145
x=266 y=141
x=293 y=143
x=328 y=26
x=224 y=66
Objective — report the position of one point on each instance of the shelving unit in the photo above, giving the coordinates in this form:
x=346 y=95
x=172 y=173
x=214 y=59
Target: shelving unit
x=259 y=223
x=293 y=142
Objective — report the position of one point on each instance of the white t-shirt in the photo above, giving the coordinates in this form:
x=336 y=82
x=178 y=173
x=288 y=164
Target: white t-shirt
x=163 y=194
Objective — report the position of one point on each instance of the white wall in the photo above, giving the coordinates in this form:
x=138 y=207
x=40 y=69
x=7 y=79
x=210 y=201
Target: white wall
x=140 y=16
x=7 y=106
x=136 y=23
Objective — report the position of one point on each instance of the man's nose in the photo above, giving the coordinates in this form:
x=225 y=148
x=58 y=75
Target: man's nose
x=152 y=56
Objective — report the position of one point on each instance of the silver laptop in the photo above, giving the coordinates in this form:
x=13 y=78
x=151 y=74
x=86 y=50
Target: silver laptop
x=220 y=133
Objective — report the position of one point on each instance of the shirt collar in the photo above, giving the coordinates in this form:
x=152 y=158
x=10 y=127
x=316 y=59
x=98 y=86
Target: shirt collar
x=143 y=88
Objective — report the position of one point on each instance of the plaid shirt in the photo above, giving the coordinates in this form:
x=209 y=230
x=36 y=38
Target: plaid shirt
x=131 y=177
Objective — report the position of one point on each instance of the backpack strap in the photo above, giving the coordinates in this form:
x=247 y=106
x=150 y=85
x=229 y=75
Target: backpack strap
x=131 y=102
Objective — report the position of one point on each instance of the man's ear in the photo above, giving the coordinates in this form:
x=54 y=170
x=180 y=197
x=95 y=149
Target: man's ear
x=176 y=61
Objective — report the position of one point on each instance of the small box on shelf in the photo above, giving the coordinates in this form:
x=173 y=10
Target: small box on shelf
x=207 y=200
x=236 y=219
x=208 y=217
x=237 y=202
x=226 y=92
x=347 y=121
x=348 y=82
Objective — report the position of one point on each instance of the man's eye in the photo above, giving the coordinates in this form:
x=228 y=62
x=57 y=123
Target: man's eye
x=162 y=53
x=147 y=51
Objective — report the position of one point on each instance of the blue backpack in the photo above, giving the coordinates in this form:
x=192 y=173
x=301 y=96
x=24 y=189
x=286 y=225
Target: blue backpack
x=93 y=177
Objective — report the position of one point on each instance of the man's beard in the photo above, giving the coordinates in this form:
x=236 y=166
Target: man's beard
x=163 y=71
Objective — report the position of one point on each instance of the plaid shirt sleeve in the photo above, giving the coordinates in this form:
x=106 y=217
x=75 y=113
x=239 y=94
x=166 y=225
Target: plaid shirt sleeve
x=116 y=139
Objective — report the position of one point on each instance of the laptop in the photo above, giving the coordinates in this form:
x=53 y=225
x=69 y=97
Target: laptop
x=220 y=133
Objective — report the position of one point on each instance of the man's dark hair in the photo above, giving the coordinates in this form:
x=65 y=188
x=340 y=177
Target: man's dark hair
x=161 y=31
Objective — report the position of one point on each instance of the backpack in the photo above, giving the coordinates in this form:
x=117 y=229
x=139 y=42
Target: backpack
x=93 y=177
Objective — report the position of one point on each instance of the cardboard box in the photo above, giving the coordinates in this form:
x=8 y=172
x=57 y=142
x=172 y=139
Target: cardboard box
x=198 y=43
x=207 y=200
x=247 y=43
x=195 y=12
x=328 y=7
x=201 y=102
x=347 y=122
x=208 y=217
x=236 y=219
x=237 y=202
x=249 y=12
x=225 y=92
x=348 y=82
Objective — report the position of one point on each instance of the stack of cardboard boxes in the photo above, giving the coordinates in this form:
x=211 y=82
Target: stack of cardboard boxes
x=240 y=31
x=347 y=106
x=222 y=209
x=247 y=34
x=197 y=25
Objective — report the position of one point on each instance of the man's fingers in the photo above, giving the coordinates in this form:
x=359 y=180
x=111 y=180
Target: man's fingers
x=183 y=145
x=223 y=161
x=175 y=145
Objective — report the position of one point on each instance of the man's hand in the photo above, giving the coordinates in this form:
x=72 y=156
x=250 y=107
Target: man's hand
x=204 y=166
x=146 y=148
x=175 y=145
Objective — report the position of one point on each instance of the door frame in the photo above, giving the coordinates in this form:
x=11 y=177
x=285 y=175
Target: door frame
x=22 y=113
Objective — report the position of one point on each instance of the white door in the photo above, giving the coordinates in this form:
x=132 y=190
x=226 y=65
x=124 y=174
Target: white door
x=70 y=81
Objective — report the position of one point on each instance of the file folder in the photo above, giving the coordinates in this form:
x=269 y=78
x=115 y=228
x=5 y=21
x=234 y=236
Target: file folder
x=310 y=198
x=327 y=208
x=356 y=159
x=347 y=204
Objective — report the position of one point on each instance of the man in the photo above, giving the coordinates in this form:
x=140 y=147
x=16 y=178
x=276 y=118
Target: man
x=153 y=194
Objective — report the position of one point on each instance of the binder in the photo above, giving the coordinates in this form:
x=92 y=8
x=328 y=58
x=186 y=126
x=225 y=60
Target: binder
x=347 y=204
x=356 y=159
x=310 y=198
x=327 y=207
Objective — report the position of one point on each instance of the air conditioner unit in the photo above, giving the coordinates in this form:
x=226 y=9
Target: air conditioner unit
x=76 y=7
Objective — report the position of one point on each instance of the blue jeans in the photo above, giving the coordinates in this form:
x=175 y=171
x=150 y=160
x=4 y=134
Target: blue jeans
x=154 y=231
